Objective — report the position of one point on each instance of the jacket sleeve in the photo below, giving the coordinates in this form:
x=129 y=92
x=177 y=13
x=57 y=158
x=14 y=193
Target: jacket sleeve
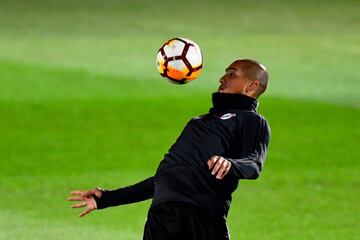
x=254 y=139
x=134 y=193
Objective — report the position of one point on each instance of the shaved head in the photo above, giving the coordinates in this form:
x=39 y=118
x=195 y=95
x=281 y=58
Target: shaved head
x=253 y=71
x=244 y=76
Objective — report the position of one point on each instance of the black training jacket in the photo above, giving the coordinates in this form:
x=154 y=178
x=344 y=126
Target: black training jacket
x=232 y=129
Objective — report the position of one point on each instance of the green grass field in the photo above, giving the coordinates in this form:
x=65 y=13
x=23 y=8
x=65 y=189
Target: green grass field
x=82 y=105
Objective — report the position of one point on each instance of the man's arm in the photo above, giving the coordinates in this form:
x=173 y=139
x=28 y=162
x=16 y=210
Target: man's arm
x=135 y=193
x=255 y=138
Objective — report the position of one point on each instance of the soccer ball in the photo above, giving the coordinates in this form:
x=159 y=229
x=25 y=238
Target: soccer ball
x=179 y=60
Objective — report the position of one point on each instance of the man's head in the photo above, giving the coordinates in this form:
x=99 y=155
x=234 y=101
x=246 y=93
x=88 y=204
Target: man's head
x=244 y=76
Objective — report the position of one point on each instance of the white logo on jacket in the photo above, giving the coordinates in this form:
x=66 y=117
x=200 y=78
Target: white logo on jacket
x=227 y=116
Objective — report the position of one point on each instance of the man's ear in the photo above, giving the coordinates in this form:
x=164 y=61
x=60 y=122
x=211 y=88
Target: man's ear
x=253 y=86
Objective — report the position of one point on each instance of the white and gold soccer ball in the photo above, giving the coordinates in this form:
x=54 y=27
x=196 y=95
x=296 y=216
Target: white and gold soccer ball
x=179 y=60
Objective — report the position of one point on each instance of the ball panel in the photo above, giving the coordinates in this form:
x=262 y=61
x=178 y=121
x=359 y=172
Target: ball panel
x=194 y=75
x=160 y=63
x=173 y=48
x=176 y=69
x=194 y=57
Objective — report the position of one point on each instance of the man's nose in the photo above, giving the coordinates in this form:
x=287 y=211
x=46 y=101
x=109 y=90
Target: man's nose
x=222 y=79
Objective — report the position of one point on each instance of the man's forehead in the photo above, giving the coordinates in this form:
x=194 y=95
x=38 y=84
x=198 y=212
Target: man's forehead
x=230 y=68
x=234 y=66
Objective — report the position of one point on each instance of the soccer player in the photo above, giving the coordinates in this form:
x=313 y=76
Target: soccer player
x=191 y=189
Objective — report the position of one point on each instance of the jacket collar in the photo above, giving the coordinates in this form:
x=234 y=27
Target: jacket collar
x=223 y=102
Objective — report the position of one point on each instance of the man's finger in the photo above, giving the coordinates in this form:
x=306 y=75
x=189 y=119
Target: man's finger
x=212 y=161
x=223 y=170
x=79 y=205
x=227 y=170
x=77 y=192
x=215 y=159
x=217 y=165
x=76 y=198
x=85 y=212
x=220 y=167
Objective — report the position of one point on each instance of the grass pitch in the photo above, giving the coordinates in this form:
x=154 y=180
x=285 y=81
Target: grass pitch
x=82 y=105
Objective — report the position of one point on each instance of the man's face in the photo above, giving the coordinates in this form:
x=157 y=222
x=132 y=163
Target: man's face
x=233 y=81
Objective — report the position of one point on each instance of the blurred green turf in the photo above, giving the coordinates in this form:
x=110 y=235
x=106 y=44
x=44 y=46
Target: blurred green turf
x=82 y=105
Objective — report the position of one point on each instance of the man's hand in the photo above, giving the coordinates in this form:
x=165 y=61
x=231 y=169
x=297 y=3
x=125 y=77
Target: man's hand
x=87 y=200
x=219 y=165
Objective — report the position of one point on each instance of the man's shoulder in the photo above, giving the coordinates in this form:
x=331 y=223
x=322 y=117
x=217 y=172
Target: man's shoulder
x=251 y=117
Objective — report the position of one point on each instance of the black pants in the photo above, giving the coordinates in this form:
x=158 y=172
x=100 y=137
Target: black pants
x=179 y=220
